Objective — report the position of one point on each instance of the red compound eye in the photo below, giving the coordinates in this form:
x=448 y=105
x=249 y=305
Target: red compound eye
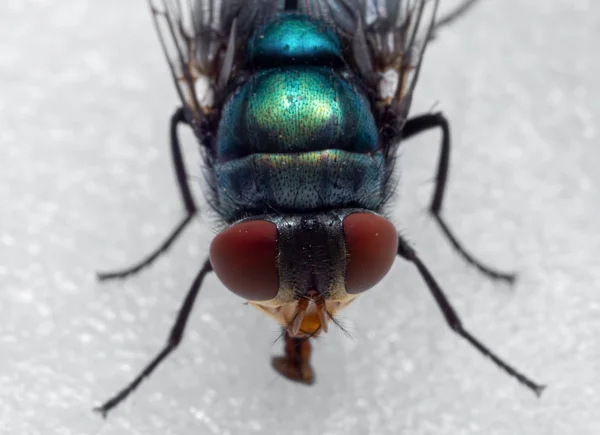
x=244 y=257
x=371 y=245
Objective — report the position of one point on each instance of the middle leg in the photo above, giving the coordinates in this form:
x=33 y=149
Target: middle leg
x=186 y=196
x=430 y=121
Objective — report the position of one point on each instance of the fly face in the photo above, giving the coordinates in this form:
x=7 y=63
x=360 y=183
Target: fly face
x=302 y=269
x=299 y=146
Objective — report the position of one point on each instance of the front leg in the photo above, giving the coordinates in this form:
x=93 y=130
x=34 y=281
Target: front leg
x=406 y=252
x=173 y=341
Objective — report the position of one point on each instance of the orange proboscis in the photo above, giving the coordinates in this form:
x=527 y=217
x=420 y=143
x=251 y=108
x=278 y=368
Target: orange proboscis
x=309 y=322
x=295 y=364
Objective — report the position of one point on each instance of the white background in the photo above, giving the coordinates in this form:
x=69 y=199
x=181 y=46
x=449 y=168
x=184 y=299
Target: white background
x=86 y=183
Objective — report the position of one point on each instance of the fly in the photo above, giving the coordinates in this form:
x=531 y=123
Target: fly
x=299 y=141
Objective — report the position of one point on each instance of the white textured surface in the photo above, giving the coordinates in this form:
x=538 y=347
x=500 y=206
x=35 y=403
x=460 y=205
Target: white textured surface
x=86 y=183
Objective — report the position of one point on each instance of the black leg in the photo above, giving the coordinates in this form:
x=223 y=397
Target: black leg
x=430 y=121
x=186 y=195
x=406 y=252
x=172 y=342
x=456 y=13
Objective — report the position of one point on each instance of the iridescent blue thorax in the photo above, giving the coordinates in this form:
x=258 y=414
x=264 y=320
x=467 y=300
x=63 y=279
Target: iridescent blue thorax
x=294 y=39
x=298 y=135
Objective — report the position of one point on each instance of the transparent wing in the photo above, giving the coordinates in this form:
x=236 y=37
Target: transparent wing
x=195 y=38
x=203 y=41
x=388 y=40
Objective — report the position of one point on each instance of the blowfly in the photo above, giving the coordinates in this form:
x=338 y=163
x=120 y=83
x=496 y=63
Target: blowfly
x=299 y=137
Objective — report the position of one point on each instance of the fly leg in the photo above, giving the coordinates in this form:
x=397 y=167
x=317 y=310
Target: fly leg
x=173 y=341
x=453 y=15
x=295 y=365
x=177 y=118
x=406 y=252
x=430 y=121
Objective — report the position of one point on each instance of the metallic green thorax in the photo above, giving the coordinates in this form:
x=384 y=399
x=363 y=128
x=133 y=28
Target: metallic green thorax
x=296 y=109
x=296 y=39
x=287 y=118
x=297 y=106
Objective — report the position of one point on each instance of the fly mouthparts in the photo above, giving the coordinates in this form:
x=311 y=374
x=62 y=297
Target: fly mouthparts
x=303 y=313
x=322 y=314
x=294 y=328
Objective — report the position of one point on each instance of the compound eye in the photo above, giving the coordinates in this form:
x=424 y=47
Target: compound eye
x=371 y=246
x=244 y=257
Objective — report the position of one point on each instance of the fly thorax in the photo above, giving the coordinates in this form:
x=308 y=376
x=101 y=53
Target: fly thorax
x=298 y=134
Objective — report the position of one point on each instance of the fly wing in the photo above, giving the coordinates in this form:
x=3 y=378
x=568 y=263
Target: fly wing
x=203 y=41
x=199 y=40
x=388 y=39
x=397 y=33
